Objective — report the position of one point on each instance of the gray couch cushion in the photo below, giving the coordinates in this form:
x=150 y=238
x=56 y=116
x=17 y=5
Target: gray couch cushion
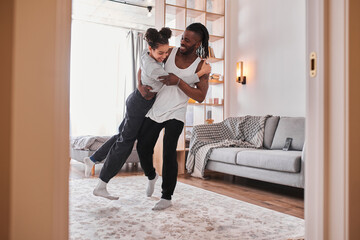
x=226 y=155
x=284 y=161
x=270 y=127
x=292 y=127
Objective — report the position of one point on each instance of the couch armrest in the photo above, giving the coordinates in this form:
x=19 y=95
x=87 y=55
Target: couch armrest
x=303 y=152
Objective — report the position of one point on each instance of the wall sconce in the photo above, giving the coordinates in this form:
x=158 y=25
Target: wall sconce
x=240 y=78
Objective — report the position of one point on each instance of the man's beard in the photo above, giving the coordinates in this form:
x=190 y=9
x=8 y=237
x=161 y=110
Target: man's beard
x=189 y=50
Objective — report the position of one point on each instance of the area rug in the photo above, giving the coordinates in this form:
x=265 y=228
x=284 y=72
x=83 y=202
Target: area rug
x=195 y=214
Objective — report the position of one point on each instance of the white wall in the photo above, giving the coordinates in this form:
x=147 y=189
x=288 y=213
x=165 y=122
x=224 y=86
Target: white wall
x=269 y=36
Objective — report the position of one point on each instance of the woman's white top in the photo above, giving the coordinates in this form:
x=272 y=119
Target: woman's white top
x=151 y=70
x=171 y=101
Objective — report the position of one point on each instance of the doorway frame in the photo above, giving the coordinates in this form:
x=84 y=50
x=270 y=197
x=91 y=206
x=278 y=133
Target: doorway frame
x=326 y=182
x=331 y=193
x=331 y=198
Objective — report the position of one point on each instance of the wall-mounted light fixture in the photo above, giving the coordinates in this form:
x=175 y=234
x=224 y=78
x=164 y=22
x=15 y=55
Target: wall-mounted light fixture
x=240 y=78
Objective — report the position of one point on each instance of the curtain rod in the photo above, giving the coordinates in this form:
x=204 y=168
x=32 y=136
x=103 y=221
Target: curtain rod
x=131 y=4
x=113 y=25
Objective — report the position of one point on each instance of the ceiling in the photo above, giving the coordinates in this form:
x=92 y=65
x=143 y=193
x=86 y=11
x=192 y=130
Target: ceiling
x=114 y=13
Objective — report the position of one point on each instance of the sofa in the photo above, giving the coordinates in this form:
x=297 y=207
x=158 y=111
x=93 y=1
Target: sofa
x=271 y=163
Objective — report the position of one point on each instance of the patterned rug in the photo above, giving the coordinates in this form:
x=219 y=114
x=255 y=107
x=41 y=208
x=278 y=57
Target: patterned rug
x=195 y=214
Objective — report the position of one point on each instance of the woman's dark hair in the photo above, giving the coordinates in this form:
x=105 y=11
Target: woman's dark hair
x=201 y=30
x=155 y=37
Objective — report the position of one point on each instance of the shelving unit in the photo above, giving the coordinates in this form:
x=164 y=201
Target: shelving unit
x=177 y=14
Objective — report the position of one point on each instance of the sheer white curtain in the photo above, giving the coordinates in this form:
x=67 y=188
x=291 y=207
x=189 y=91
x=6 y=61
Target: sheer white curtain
x=101 y=76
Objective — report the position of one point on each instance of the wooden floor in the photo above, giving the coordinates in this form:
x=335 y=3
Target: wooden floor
x=276 y=197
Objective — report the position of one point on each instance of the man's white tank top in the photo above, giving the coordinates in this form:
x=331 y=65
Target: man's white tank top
x=171 y=101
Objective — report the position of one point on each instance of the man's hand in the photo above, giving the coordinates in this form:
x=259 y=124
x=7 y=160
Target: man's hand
x=170 y=79
x=145 y=91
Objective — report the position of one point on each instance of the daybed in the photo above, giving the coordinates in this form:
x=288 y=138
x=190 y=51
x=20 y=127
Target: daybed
x=85 y=146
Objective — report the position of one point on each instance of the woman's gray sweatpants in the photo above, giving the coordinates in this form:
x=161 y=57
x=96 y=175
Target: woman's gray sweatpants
x=119 y=147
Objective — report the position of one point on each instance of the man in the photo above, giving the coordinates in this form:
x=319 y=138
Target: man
x=169 y=109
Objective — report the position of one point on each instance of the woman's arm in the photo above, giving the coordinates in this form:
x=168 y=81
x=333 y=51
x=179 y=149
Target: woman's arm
x=151 y=68
x=205 y=69
x=192 y=79
x=157 y=72
x=144 y=89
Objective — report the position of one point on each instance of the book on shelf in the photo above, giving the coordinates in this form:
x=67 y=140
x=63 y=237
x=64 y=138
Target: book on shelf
x=211 y=52
x=216 y=76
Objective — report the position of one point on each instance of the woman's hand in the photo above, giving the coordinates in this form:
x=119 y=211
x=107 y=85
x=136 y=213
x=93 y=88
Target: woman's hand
x=205 y=68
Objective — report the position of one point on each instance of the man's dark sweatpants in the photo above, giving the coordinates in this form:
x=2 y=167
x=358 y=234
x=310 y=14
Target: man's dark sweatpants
x=118 y=148
x=147 y=138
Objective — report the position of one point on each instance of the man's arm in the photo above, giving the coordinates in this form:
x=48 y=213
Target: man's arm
x=144 y=89
x=172 y=79
x=198 y=93
x=204 y=70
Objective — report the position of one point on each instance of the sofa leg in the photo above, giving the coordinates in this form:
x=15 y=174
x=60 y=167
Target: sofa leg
x=93 y=170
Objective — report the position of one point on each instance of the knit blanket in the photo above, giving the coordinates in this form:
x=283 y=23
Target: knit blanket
x=245 y=132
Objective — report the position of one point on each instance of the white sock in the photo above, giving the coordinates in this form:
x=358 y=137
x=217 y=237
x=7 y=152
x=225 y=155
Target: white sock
x=151 y=186
x=88 y=166
x=101 y=191
x=162 y=204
